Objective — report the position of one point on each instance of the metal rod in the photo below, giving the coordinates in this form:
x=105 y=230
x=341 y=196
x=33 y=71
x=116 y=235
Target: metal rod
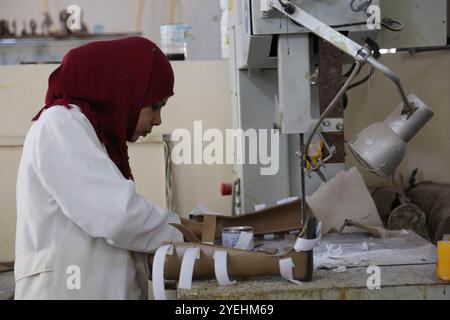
x=302 y=181
x=391 y=75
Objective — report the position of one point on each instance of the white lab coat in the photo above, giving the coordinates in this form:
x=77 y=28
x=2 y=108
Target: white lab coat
x=82 y=231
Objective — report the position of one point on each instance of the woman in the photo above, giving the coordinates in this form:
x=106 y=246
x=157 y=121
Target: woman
x=82 y=231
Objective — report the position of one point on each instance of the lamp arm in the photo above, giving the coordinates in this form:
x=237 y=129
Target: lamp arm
x=408 y=107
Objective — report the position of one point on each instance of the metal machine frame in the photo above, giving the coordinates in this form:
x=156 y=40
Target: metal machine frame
x=274 y=84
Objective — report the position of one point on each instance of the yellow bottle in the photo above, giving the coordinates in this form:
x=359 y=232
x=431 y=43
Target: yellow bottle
x=443 y=265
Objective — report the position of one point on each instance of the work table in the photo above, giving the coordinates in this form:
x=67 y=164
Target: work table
x=417 y=282
x=406 y=262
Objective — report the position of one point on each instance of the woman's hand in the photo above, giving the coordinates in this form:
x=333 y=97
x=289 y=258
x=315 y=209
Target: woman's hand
x=195 y=226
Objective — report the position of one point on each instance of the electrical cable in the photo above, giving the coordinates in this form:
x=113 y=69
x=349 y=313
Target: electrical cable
x=348 y=73
x=345 y=101
x=375 y=50
x=362 y=81
x=305 y=151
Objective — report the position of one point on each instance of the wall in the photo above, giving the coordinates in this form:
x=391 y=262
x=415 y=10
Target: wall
x=202 y=92
x=121 y=16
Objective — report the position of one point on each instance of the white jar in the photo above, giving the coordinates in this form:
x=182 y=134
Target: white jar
x=231 y=235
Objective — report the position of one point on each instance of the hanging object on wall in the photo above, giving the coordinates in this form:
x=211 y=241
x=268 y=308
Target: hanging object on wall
x=174 y=39
x=174 y=33
x=46 y=25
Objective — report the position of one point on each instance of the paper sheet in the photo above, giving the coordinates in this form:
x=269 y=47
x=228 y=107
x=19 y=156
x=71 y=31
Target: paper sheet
x=344 y=197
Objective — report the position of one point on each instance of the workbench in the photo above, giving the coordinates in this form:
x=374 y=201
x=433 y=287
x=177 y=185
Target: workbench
x=407 y=271
x=407 y=265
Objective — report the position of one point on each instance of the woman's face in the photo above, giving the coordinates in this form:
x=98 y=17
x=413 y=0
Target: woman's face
x=148 y=117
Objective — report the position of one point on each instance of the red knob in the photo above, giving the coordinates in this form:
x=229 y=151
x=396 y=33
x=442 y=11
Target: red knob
x=226 y=189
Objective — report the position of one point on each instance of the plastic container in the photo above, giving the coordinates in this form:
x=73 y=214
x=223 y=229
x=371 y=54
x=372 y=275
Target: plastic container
x=443 y=264
x=230 y=236
x=174 y=40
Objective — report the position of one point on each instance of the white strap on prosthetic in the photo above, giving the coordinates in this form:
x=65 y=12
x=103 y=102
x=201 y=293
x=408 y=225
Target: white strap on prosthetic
x=286 y=270
x=220 y=268
x=187 y=268
x=303 y=245
x=245 y=241
x=159 y=260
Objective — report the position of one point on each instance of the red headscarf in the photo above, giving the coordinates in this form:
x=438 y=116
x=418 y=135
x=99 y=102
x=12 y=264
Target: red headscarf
x=111 y=81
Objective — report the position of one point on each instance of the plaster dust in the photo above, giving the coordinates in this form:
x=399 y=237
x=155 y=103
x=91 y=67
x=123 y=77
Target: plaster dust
x=363 y=250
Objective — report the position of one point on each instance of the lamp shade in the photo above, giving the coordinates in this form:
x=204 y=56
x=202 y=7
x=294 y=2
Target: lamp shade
x=381 y=147
x=378 y=149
